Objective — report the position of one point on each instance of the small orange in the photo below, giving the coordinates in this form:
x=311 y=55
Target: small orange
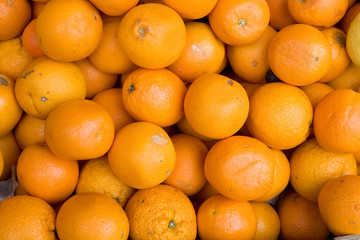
x=114 y=7
x=29 y=130
x=109 y=55
x=26 y=217
x=91 y=216
x=316 y=92
x=112 y=101
x=142 y=155
x=161 y=212
x=29 y=40
x=96 y=80
x=222 y=218
x=154 y=95
x=250 y=61
x=46 y=83
x=300 y=219
x=68 y=30
x=241 y=168
x=336 y=121
x=279 y=14
x=152 y=35
x=188 y=174
x=14 y=15
x=216 y=106
x=299 y=54
x=203 y=53
x=350 y=78
x=79 y=130
x=289 y=106
x=10 y=152
x=239 y=22
x=268 y=221
x=339 y=202
x=46 y=176
x=349 y=16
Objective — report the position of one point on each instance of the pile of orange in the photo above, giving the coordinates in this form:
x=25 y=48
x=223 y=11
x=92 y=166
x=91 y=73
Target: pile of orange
x=167 y=119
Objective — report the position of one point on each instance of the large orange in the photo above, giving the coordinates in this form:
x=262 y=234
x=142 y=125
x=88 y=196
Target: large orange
x=279 y=14
x=79 y=130
x=29 y=130
x=114 y=7
x=268 y=221
x=10 y=152
x=191 y=9
x=152 y=35
x=68 y=30
x=29 y=41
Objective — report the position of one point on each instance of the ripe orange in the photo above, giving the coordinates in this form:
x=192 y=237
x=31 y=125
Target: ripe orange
x=154 y=95
x=349 y=16
x=239 y=22
x=152 y=35
x=10 y=152
x=114 y=7
x=79 y=130
x=142 y=155
x=68 y=30
x=279 y=14
x=29 y=130
x=222 y=218
x=350 y=78
x=316 y=92
x=268 y=221
x=216 y=106
x=29 y=40
x=161 y=212
x=91 y=216
x=184 y=127
x=191 y=9
x=299 y=54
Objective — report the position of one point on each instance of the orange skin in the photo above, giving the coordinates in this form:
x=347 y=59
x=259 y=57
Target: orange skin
x=299 y=54
x=29 y=130
x=79 y=130
x=338 y=203
x=316 y=92
x=142 y=155
x=279 y=14
x=161 y=212
x=336 y=121
x=152 y=35
x=203 y=53
x=14 y=15
x=29 y=40
x=240 y=168
x=250 y=61
x=36 y=8
x=349 y=79
x=239 y=22
x=46 y=176
x=57 y=34
x=188 y=174
x=155 y=96
x=222 y=218
x=300 y=218
x=217 y=95
x=191 y=9
x=10 y=152
x=114 y=7
x=105 y=216
x=184 y=127
x=268 y=221
x=349 y=16
x=206 y=192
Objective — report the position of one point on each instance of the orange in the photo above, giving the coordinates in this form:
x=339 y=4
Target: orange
x=250 y=88
x=268 y=221
x=339 y=202
x=109 y=55
x=96 y=176
x=300 y=218
x=10 y=110
x=188 y=174
x=29 y=40
x=289 y=106
x=316 y=92
x=184 y=127
x=352 y=39
x=237 y=22
x=68 y=30
x=161 y=212
x=79 y=130
x=250 y=61
x=10 y=153
x=13 y=58
x=96 y=80
x=46 y=83
x=336 y=121
x=114 y=7
x=299 y=54
x=46 y=176
x=216 y=106
x=29 y=130
x=152 y=35
x=279 y=14
x=206 y=192
x=36 y=8
x=191 y=9
x=350 y=78
x=281 y=176
x=349 y=16
x=320 y=14
x=154 y=95
x=14 y=15
x=26 y=217
x=313 y=166
x=20 y=191
x=142 y=155
x=222 y=218
x=91 y=216
x=240 y=168
x=203 y=53
x=112 y=101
